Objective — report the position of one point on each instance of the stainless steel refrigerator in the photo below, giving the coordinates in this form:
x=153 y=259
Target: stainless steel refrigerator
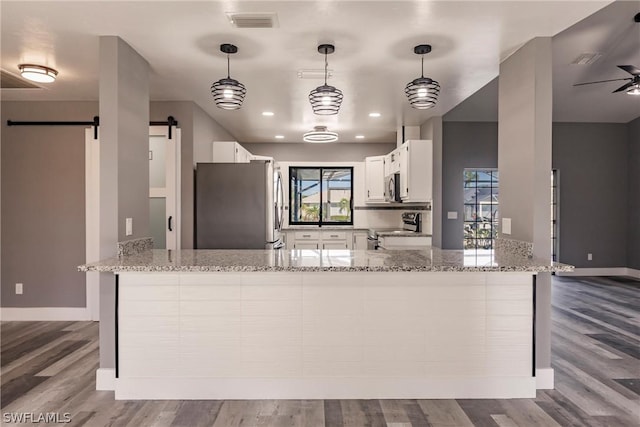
x=238 y=205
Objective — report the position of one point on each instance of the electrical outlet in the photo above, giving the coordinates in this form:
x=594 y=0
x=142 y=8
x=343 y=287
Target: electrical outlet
x=506 y=225
x=589 y=257
x=129 y=226
x=18 y=288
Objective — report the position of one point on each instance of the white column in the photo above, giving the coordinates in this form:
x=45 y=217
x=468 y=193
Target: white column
x=524 y=162
x=124 y=165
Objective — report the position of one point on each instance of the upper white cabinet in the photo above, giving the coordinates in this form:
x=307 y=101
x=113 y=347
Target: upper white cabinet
x=374 y=179
x=416 y=181
x=230 y=152
x=394 y=159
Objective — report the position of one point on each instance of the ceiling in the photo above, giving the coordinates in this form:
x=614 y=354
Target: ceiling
x=373 y=61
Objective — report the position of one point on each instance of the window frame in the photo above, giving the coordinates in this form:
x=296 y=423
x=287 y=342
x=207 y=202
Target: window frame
x=478 y=207
x=320 y=221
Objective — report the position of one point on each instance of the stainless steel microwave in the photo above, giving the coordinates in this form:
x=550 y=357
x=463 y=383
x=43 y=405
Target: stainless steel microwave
x=392 y=188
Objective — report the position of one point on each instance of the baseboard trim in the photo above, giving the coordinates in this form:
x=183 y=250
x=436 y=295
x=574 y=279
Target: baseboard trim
x=633 y=273
x=614 y=271
x=31 y=314
x=106 y=379
x=545 y=379
x=193 y=388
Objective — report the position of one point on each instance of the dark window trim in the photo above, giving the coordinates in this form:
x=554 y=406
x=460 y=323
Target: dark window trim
x=494 y=184
x=320 y=221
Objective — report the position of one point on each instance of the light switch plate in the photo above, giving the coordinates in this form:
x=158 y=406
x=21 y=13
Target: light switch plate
x=129 y=226
x=18 y=288
x=452 y=215
x=506 y=225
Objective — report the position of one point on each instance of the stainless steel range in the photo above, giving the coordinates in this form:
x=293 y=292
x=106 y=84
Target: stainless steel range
x=411 y=227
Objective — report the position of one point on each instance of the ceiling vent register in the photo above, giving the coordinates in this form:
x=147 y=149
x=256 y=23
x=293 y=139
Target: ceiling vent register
x=253 y=20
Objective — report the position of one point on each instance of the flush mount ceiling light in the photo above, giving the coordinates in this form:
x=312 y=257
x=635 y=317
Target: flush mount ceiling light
x=37 y=73
x=635 y=89
x=423 y=91
x=228 y=93
x=325 y=99
x=320 y=134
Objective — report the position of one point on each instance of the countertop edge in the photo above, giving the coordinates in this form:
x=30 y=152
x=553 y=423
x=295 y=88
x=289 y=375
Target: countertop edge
x=249 y=269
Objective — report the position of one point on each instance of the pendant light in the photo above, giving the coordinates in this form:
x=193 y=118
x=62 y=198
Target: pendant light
x=38 y=73
x=320 y=134
x=325 y=99
x=228 y=93
x=422 y=92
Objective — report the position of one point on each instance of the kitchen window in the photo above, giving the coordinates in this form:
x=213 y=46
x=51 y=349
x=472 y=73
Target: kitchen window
x=321 y=195
x=480 y=208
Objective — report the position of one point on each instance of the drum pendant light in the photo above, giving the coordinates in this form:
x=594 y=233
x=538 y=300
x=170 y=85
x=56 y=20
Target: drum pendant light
x=422 y=92
x=228 y=93
x=325 y=99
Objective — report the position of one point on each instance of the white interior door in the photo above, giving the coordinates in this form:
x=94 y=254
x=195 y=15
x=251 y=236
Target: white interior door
x=164 y=187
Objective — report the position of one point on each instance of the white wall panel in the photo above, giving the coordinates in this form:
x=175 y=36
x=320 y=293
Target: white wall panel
x=453 y=327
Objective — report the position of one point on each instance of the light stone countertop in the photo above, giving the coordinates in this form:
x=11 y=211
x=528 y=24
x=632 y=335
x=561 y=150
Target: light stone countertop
x=231 y=260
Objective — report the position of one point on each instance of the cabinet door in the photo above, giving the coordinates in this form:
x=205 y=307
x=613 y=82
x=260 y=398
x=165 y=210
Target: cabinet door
x=306 y=245
x=359 y=241
x=405 y=170
x=374 y=179
x=335 y=245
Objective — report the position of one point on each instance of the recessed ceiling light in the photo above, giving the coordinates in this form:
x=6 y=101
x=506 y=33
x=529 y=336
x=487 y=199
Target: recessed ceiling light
x=267 y=113
x=38 y=73
x=374 y=114
x=279 y=136
x=359 y=136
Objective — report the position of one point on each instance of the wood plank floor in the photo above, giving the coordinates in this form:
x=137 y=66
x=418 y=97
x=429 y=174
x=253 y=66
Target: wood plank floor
x=50 y=367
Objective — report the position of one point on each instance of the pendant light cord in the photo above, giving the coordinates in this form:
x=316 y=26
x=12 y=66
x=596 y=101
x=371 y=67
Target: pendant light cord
x=422 y=73
x=325 y=67
x=228 y=68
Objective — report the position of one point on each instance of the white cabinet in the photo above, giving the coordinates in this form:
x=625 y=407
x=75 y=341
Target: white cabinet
x=416 y=159
x=359 y=241
x=374 y=179
x=335 y=240
x=230 y=152
x=393 y=158
x=319 y=239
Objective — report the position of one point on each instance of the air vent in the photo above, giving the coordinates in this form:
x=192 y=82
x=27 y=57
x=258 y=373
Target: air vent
x=587 y=58
x=11 y=81
x=253 y=20
x=314 y=74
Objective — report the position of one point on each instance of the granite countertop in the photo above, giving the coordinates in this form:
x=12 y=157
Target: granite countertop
x=400 y=233
x=429 y=259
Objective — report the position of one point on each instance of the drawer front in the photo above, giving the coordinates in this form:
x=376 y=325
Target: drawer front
x=307 y=235
x=334 y=235
x=306 y=245
x=335 y=245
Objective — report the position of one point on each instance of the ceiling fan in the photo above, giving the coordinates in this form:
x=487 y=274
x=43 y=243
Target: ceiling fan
x=632 y=88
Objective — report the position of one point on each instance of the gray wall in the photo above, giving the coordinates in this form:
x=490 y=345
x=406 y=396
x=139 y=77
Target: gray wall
x=465 y=145
x=592 y=162
x=43 y=204
x=633 y=232
x=205 y=131
x=341 y=151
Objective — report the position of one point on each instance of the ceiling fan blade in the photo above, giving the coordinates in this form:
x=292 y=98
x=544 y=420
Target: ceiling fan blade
x=602 y=81
x=621 y=88
x=634 y=71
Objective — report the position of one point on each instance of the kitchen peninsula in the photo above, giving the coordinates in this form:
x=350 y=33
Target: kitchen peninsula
x=324 y=324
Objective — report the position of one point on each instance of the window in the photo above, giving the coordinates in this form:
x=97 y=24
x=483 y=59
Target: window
x=321 y=195
x=480 y=208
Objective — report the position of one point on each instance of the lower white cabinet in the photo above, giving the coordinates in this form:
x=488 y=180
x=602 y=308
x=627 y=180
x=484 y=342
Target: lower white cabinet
x=306 y=245
x=326 y=239
x=359 y=241
x=340 y=244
